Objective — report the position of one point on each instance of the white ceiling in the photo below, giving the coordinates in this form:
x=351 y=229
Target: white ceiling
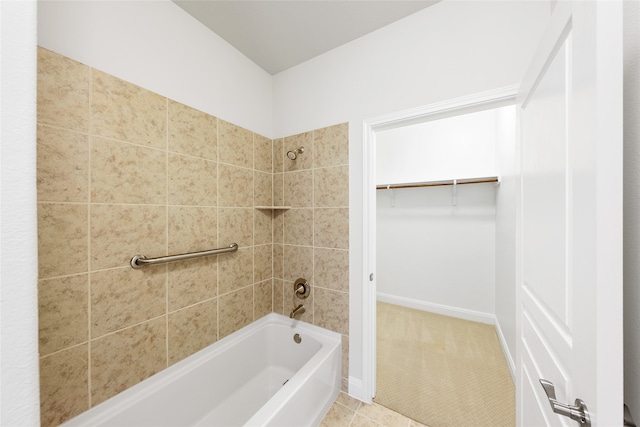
x=278 y=35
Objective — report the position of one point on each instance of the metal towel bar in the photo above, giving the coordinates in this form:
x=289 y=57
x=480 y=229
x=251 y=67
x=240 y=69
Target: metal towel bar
x=139 y=261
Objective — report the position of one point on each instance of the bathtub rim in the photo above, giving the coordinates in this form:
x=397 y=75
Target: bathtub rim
x=330 y=342
x=102 y=412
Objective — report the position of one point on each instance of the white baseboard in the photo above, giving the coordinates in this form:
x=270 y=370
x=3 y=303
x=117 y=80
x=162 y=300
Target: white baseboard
x=460 y=313
x=506 y=352
x=356 y=390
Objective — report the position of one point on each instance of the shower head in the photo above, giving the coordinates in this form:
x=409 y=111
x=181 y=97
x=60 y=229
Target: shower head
x=293 y=154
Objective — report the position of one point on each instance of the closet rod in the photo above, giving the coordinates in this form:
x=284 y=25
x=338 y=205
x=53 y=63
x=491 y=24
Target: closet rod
x=483 y=180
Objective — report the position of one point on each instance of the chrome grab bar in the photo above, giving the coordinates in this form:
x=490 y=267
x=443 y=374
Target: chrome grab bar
x=139 y=261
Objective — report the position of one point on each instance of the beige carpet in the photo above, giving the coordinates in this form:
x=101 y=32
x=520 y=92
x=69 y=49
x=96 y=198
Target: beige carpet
x=442 y=371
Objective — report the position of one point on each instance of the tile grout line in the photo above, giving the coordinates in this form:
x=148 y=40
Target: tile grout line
x=166 y=231
x=353 y=417
x=313 y=224
x=281 y=236
x=58 y=127
x=273 y=255
x=117 y=331
x=253 y=227
x=217 y=228
x=89 y=266
x=54 y=353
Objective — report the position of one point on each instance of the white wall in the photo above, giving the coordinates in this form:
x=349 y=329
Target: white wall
x=451 y=49
x=432 y=255
x=437 y=257
x=158 y=46
x=19 y=393
x=505 y=261
x=448 y=50
x=454 y=147
x=632 y=207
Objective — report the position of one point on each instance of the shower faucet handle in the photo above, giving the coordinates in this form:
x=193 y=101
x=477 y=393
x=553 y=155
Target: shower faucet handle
x=301 y=288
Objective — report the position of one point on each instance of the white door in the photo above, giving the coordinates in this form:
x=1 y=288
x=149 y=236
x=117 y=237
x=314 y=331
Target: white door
x=569 y=256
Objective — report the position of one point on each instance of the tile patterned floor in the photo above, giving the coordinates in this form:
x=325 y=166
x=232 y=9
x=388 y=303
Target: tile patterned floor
x=349 y=412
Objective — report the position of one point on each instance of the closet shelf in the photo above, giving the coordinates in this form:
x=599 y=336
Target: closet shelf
x=482 y=180
x=275 y=208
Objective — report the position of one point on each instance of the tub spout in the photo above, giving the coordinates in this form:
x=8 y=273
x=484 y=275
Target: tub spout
x=299 y=309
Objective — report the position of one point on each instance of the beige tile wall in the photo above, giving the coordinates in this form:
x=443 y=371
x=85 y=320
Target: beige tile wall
x=123 y=171
x=311 y=240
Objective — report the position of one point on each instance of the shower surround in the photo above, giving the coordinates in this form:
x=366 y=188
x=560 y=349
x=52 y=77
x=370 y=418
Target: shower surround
x=122 y=171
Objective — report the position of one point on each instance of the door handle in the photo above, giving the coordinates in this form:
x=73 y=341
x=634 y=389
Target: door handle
x=577 y=412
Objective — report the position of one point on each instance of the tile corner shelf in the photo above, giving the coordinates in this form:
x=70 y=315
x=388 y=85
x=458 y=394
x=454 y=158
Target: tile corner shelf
x=275 y=208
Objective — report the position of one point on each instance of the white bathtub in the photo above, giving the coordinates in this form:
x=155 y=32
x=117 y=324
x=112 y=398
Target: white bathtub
x=239 y=380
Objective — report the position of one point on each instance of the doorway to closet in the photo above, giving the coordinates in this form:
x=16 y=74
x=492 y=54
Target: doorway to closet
x=443 y=182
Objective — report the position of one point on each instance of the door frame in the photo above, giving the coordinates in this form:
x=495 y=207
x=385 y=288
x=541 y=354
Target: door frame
x=454 y=107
